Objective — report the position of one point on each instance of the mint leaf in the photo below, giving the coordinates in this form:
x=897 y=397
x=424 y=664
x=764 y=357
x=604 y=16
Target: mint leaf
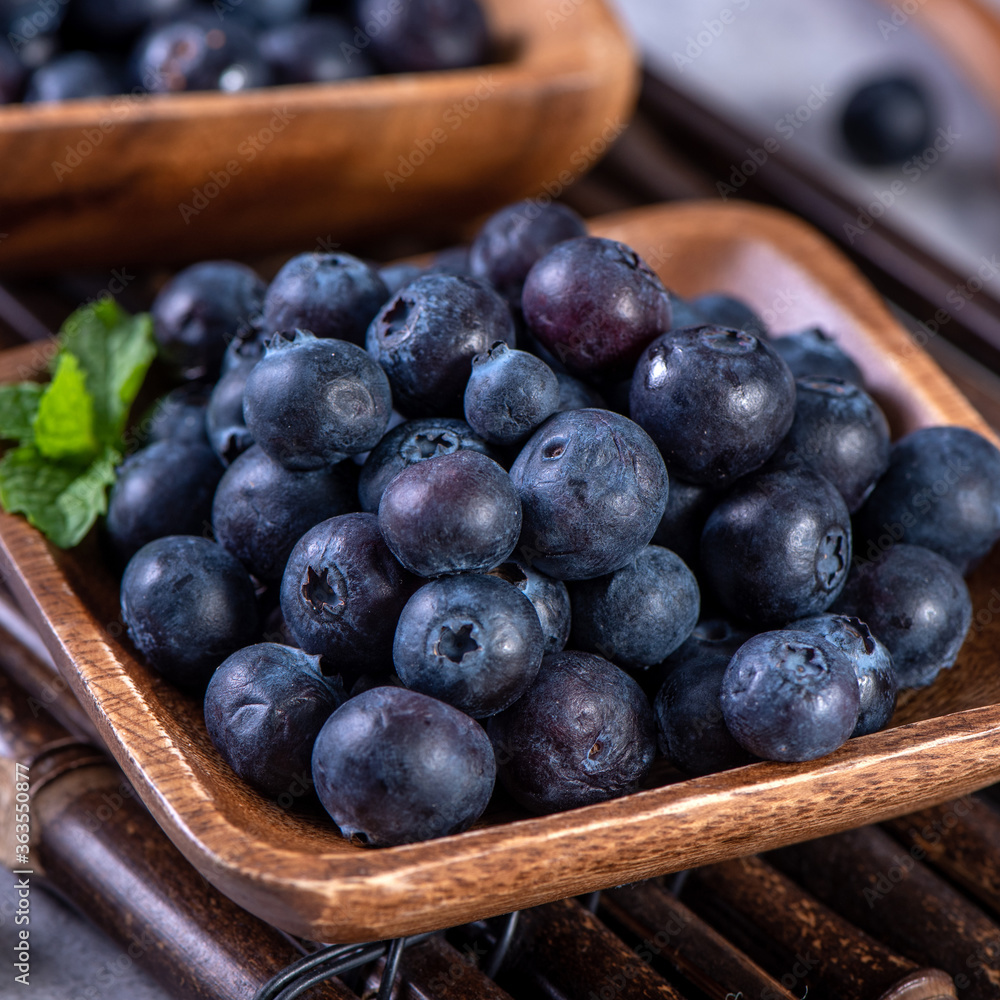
x=62 y=499
x=114 y=351
x=64 y=424
x=70 y=430
x=18 y=406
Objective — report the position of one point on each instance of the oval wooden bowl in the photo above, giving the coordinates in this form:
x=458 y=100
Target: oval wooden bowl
x=294 y=869
x=105 y=182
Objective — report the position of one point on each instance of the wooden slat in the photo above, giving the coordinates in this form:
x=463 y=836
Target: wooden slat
x=815 y=947
x=883 y=888
x=669 y=930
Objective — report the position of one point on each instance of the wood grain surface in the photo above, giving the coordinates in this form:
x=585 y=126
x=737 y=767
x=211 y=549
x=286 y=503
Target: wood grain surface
x=668 y=930
x=573 y=955
x=291 y=165
x=291 y=867
x=885 y=889
x=803 y=941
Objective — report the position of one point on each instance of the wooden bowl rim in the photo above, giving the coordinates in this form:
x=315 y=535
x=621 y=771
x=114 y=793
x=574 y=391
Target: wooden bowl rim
x=590 y=46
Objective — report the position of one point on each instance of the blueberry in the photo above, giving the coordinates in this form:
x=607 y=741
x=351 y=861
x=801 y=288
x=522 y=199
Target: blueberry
x=811 y=352
x=269 y=13
x=328 y=294
x=314 y=50
x=187 y=604
x=393 y=766
x=397 y=276
x=790 y=696
x=888 y=121
x=509 y=393
x=592 y=488
x=28 y=19
x=595 y=304
x=777 y=547
x=917 y=603
x=427 y=34
x=549 y=597
x=941 y=491
x=70 y=76
x=275 y=629
x=163 y=489
x=201 y=309
x=582 y=733
x=342 y=593
x=471 y=640
x=690 y=729
x=716 y=401
x=684 y=517
x=840 y=433
x=639 y=614
x=455 y=513
x=227 y=430
x=428 y=333
x=410 y=442
x=199 y=51
x=264 y=708
x=245 y=351
x=577 y=395
x=728 y=311
x=179 y=416
x=711 y=634
x=451 y=260
x=12 y=72
x=684 y=313
x=872 y=663
x=103 y=21
x=261 y=509
x=513 y=239
x=310 y=402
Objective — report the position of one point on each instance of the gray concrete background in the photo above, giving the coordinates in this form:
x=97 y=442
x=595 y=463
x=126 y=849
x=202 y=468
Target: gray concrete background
x=70 y=958
x=774 y=54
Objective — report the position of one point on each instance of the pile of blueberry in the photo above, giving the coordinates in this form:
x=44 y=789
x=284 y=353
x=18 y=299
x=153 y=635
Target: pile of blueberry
x=64 y=49
x=525 y=513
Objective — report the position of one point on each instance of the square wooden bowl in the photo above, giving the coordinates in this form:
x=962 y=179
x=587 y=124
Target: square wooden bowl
x=160 y=178
x=294 y=869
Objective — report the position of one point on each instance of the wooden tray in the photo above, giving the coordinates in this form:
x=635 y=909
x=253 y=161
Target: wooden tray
x=105 y=182
x=295 y=871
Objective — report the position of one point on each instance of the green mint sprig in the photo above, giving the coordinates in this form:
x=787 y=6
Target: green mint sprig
x=69 y=432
